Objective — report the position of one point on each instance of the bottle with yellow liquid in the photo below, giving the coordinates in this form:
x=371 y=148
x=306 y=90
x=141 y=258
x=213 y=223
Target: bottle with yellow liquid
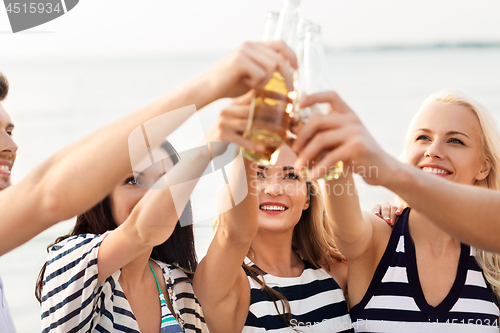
x=269 y=119
x=313 y=79
x=271 y=107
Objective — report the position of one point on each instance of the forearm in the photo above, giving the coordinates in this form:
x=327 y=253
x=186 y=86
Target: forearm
x=104 y=158
x=238 y=220
x=219 y=271
x=154 y=217
x=469 y=213
x=158 y=211
x=351 y=230
x=78 y=177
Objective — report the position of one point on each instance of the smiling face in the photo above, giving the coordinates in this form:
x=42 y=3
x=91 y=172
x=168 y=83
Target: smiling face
x=128 y=193
x=282 y=193
x=447 y=142
x=8 y=148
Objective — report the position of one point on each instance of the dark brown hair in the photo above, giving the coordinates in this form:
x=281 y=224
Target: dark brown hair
x=4 y=87
x=178 y=249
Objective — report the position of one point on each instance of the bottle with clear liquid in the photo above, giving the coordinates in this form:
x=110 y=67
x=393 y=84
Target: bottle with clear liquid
x=271 y=107
x=314 y=78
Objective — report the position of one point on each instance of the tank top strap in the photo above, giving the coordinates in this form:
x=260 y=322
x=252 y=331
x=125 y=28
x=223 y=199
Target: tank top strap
x=168 y=322
x=395 y=245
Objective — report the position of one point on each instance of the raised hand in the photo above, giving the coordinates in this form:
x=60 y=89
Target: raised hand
x=251 y=66
x=339 y=136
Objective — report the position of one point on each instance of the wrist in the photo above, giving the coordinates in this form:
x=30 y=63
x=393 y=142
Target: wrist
x=202 y=90
x=400 y=176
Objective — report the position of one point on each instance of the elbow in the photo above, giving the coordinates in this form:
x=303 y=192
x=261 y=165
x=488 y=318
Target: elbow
x=140 y=233
x=347 y=237
x=53 y=205
x=240 y=237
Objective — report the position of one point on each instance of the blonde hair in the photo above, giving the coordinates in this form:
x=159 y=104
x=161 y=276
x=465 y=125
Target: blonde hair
x=490 y=144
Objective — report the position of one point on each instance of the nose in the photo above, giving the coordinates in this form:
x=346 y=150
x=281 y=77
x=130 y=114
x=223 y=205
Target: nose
x=7 y=144
x=273 y=187
x=434 y=151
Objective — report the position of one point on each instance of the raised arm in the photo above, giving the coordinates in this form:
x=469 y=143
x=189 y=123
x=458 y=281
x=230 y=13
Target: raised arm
x=59 y=188
x=355 y=232
x=155 y=216
x=220 y=282
x=469 y=213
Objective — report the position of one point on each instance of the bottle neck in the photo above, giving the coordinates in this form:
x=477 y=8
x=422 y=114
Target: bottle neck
x=315 y=74
x=287 y=22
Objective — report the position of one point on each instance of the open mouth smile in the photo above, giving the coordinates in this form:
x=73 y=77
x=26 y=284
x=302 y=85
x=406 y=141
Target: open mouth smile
x=437 y=171
x=273 y=207
x=4 y=170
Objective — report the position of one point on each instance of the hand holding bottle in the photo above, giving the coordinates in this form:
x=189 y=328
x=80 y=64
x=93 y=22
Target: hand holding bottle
x=251 y=66
x=230 y=126
x=340 y=136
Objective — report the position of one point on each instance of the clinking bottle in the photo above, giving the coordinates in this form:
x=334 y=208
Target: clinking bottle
x=271 y=107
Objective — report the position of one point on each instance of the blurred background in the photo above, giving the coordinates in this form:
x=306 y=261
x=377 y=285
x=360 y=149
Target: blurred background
x=105 y=59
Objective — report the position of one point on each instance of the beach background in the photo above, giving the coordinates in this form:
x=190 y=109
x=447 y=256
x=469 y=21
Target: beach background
x=63 y=90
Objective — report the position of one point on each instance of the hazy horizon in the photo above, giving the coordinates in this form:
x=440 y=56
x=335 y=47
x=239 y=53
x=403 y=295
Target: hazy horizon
x=197 y=27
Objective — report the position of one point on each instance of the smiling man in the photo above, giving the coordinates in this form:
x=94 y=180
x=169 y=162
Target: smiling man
x=8 y=149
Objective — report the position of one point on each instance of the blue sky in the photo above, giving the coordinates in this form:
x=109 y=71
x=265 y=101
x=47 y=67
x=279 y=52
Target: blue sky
x=126 y=27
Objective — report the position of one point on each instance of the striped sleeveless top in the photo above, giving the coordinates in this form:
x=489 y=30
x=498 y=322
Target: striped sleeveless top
x=394 y=301
x=317 y=303
x=73 y=301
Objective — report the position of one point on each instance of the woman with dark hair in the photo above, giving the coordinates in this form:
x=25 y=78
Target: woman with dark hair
x=97 y=278
x=76 y=178
x=129 y=293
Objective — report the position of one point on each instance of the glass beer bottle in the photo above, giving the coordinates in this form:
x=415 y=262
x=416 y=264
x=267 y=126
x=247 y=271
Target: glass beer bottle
x=314 y=78
x=269 y=118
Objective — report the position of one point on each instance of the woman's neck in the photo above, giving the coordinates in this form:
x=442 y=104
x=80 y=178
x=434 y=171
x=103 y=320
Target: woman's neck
x=427 y=234
x=272 y=252
x=137 y=270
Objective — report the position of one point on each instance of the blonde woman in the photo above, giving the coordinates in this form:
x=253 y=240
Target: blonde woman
x=272 y=264
x=414 y=277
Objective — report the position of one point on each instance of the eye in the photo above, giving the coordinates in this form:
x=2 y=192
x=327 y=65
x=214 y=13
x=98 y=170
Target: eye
x=458 y=141
x=9 y=132
x=423 y=137
x=291 y=175
x=131 y=181
x=260 y=174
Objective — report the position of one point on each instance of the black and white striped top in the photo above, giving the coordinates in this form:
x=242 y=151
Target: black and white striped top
x=73 y=301
x=394 y=301
x=317 y=304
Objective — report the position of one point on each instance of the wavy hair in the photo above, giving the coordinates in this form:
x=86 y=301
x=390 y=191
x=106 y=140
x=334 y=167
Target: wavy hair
x=490 y=146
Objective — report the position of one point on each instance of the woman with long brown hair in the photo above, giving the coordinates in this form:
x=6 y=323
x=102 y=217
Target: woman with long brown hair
x=273 y=264
x=123 y=268
x=168 y=260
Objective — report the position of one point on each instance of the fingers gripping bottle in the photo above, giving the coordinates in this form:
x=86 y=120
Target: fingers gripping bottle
x=271 y=107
